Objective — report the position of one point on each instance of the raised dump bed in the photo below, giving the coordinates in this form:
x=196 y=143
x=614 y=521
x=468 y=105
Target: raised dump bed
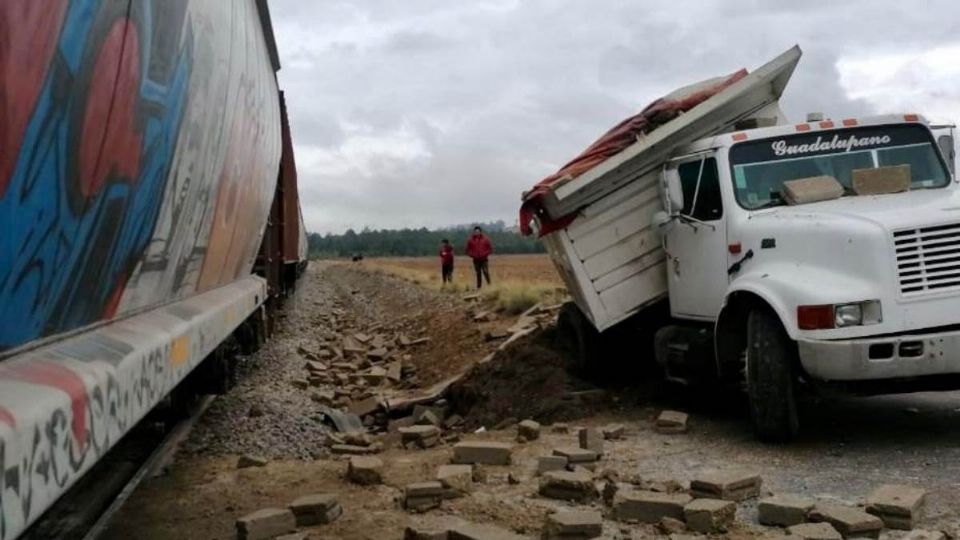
x=597 y=225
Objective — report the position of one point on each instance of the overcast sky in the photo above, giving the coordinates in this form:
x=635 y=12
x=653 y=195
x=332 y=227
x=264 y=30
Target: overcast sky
x=430 y=113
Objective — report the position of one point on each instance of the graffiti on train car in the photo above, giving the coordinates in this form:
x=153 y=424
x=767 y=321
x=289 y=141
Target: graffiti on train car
x=113 y=170
x=98 y=385
x=89 y=165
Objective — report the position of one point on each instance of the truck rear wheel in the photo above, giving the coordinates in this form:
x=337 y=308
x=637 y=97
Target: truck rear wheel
x=771 y=378
x=576 y=338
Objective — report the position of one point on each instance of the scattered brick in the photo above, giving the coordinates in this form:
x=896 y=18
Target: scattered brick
x=475 y=531
x=560 y=427
x=375 y=376
x=428 y=418
x=355 y=450
x=898 y=506
x=366 y=471
x=317 y=509
x=395 y=371
x=849 y=521
x=482 y=452
x=529 y=430
x=458 y=478
x=709 y=515
x=424 y=496
x=814 y=531
x=573 y=525
x=784 y=510
x=453 y=421
x=421 y=436
x=266 y=523
x=727 y=485
x=669 y=525
x=648 y=506
x=551 y=463
x=498 y=334
x=247 y=460
x=591 y=439
x=300 y=384
x=395 y=425
x=576 y=455
x=613 y=432
x=365 y=407
x=568 y=486
x=671 y=422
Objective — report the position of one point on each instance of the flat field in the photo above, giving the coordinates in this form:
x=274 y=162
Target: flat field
x=519 y=281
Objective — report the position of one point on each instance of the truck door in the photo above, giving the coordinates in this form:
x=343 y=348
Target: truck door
x=696 y=245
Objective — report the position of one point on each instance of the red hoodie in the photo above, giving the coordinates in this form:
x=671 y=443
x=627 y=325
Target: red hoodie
x=446 y=254
x=479 y=247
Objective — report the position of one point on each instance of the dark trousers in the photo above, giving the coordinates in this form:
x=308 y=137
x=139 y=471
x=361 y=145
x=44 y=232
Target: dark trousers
x=482 y=268
x=447 y=271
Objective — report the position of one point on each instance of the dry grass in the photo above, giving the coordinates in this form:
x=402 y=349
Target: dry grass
x=519 y=281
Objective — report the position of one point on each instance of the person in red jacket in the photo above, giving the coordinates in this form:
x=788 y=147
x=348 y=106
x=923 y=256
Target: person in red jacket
x=446 y=261
x=479 y=249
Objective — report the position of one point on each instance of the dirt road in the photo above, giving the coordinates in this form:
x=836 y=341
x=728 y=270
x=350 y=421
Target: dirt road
x=848 y=447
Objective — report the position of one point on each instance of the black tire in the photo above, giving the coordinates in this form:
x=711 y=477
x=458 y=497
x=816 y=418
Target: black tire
x=576 y=338
x=771 y=378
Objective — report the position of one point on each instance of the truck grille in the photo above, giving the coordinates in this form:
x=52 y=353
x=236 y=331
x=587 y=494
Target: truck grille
x=928 y=259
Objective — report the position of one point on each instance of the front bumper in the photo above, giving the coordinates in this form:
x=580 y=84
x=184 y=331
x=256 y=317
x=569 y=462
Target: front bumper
x=879 y=358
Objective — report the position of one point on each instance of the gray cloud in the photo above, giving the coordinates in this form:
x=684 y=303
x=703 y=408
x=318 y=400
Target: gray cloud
x=428 y=112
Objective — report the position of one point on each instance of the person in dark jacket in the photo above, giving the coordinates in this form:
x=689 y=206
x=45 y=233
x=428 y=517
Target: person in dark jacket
x=479 y=249
x=446 y=261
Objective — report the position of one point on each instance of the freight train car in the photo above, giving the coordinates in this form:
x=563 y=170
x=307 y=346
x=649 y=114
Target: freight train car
x=140 y=152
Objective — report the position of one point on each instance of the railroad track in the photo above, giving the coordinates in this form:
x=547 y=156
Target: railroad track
x=87 y=509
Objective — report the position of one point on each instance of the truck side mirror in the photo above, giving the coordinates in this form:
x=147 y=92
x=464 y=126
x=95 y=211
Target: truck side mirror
x=671 y=191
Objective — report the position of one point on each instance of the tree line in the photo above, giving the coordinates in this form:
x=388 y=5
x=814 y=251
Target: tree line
x=416 y=242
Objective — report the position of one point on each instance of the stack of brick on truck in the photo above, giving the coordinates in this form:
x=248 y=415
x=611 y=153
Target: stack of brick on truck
x=139 y=156
x=761 y=254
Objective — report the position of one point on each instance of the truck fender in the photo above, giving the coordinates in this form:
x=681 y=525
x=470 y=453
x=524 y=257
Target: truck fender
x=730 y=331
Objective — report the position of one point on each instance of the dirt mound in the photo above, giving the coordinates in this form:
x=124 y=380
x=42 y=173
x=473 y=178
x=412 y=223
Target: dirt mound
x=527 y=380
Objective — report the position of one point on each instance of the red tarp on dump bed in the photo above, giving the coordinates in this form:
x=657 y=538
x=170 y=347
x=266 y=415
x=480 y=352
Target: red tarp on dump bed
x=613 y=142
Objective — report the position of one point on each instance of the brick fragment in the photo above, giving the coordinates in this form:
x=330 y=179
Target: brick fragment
x=266 y=523
x=648 y=506
x=784 y=510
x=316 y=509
x=850 y=522
x=899 y=506
x=568 y=486
x=365 y=470
x=482 y=452
x=729 y=485
x=709 y=515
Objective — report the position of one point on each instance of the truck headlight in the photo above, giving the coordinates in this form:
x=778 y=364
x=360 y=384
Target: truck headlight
x=828 y=316
x=847 y=315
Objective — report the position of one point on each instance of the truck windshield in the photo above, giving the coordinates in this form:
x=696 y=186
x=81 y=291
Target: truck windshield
x=761 y=167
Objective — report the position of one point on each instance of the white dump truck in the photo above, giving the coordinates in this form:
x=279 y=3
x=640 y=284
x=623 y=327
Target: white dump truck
x=824 y=253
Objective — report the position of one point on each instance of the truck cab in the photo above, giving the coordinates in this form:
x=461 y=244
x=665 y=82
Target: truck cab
x=825 y=253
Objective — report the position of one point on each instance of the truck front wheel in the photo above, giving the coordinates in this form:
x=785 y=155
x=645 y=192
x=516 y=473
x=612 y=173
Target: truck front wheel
x=771 y=378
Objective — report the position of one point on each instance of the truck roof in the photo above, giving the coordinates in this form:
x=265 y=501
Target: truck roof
x=733 y=137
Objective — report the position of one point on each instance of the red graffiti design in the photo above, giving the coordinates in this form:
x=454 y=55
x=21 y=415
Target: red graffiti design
x=55 y=376
x=110 y=120
x=29 y=31
x=6 y=417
